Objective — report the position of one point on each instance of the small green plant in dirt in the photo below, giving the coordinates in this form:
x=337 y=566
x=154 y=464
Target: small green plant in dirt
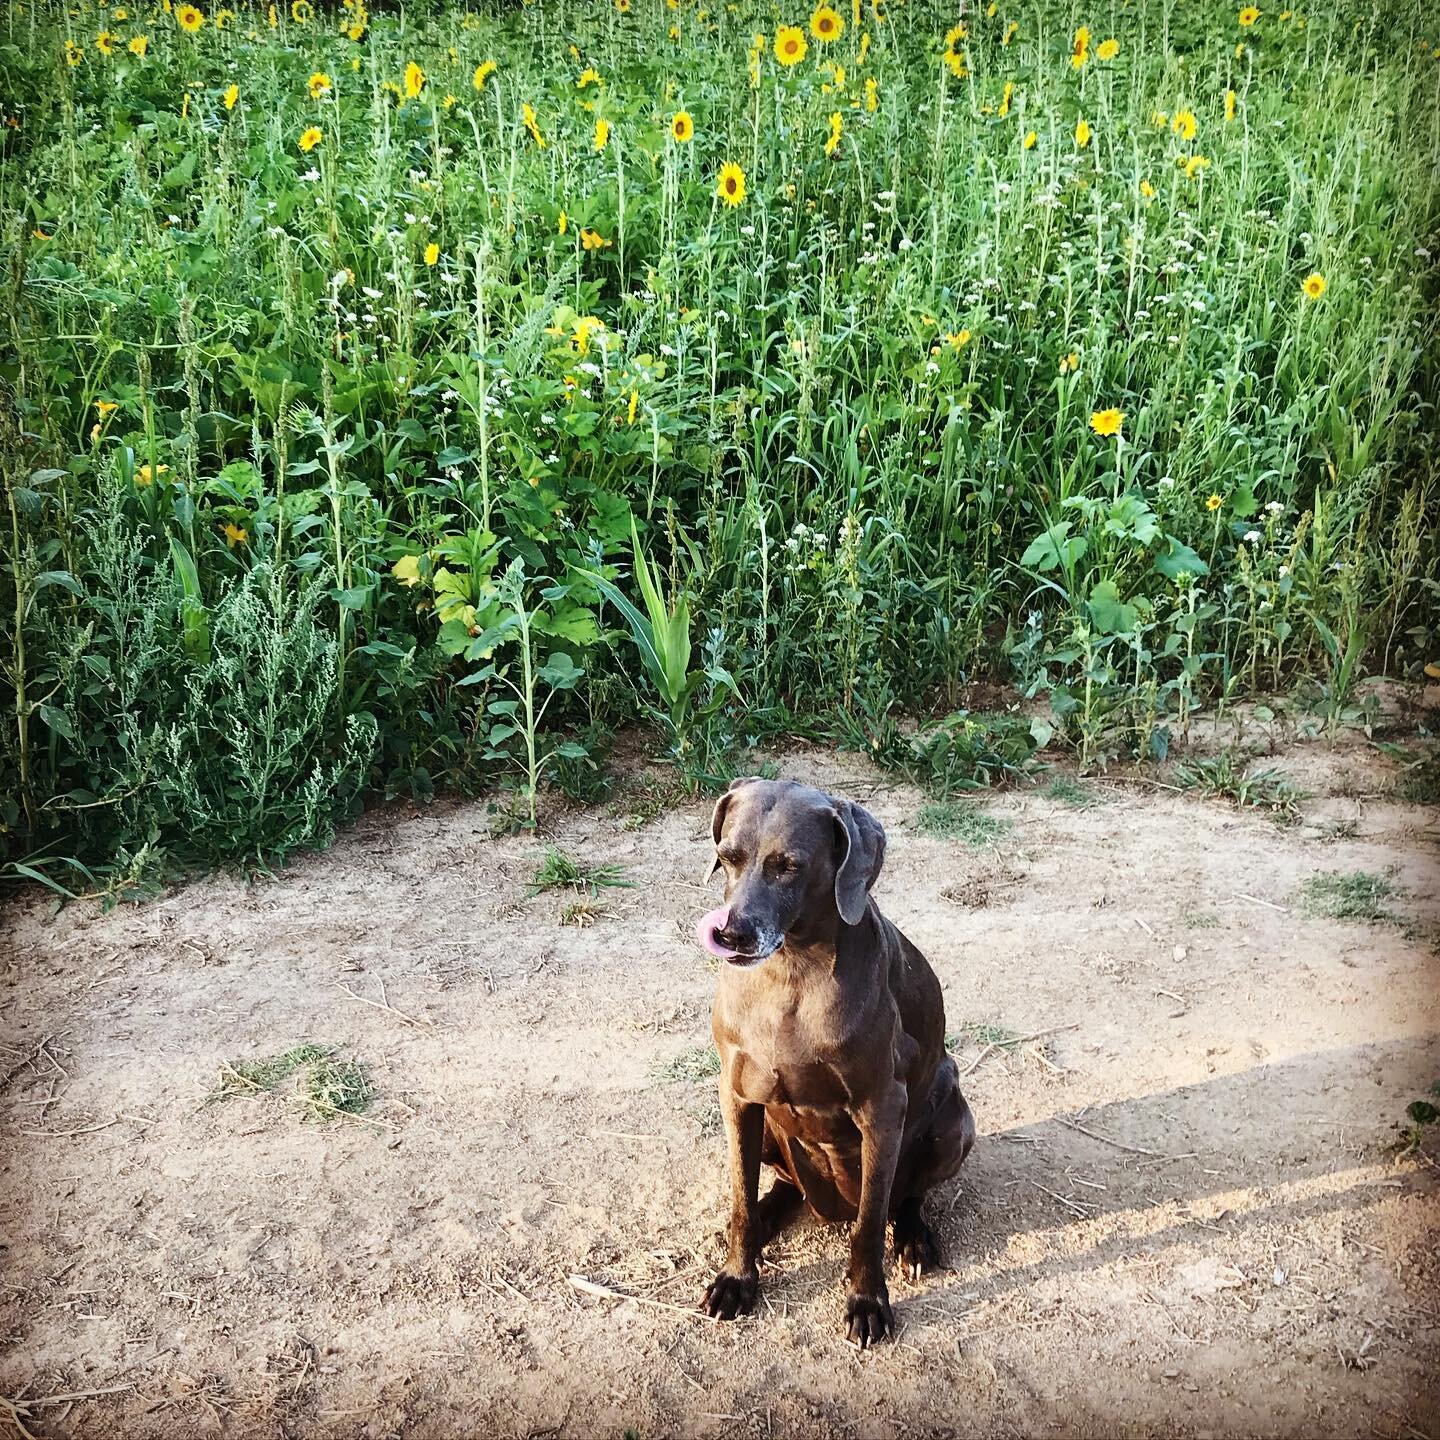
x=1421 y=1114
x=326 y=1088
x=700 y=1062
x=1224 y=775
x=1073 y=793
x=963 y=751
x=1200 y=920
x=954 y=820
x=1419 y=777
x=1354 y=896
x=559 y=871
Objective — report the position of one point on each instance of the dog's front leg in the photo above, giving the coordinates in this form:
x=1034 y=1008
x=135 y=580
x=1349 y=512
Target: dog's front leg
x=732 y=1292
x=868 y=1316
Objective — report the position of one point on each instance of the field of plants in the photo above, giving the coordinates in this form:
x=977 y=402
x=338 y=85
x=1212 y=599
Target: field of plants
x=410 y=400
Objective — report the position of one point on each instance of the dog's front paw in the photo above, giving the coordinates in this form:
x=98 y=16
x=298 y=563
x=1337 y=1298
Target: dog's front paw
x=868 y=1318
x=730 y=1295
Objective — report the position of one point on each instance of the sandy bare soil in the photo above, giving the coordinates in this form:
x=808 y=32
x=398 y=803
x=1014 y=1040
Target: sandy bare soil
x=1186 y=1214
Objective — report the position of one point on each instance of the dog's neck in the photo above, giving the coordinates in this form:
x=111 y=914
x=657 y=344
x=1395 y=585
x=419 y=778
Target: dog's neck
x=818 y=948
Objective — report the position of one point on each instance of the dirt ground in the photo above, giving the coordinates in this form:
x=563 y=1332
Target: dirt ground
x=1186 y=1214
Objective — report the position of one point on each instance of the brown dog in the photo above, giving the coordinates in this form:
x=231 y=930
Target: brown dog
x=831 y=1031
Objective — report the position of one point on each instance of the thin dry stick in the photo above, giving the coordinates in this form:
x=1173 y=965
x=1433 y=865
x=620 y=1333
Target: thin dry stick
x=73 y=1396
x=1018 y=1040
x=1256 y=900
x=1118 y=1144
x=382 y=1005
x=69 y=1134
x=604 y=1292
x=15 y=1412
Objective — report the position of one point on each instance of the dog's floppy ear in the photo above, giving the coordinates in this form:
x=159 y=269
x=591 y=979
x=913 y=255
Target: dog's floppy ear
x=717 y=817
x=860 y=844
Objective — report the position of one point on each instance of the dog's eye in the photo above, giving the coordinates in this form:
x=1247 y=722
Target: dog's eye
x=732 y=858
x=785 y=865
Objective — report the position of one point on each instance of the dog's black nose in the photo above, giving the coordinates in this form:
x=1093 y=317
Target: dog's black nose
x=737 y=935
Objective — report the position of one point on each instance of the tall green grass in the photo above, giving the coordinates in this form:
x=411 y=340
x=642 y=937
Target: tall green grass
x=851 y=415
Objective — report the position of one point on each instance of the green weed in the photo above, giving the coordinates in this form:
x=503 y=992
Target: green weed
x=559 y=871
x=1222 y=775
x=955 y=820
x=327 y=1086
x=1354 y=896
x=701 y=1062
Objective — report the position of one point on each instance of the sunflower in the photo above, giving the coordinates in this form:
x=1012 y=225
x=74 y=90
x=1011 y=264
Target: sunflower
x=832 y=140
x=826 y=24
x=301 y=12
x=231 y=95
x=623 y=6
x=1107 y=422
x=105 y=407
x=1107 y=49
x=955 y=34
x=105 y=42
x=872 y=94
x=234 y=534
x=319 y=85
x=562 y=223
x=1194 y=165
x=593 y=240
x=1314 y=285
x=588 y=76
x=1249 y=15
x=1214 y=502
x=958 y=339
x=790 y=46
x=1030 y=138
x=483 y=72
x=1183 y=124
x=188 y=18
x=356 y=31
x=1147 y=189
x=1004 y=109
x=682 y=127
x=414 y=81
x=602 y=135
x=1080 y=48
x=1011 y=31
x=1082 y=133
x=1070 y=362
x=139 y=45
x=731 y=184
x=527 y=114
x=310 y=138
x=955 y=63
x=432 y=253
x=1229 y=105
x=223 y=18
x=73 y=54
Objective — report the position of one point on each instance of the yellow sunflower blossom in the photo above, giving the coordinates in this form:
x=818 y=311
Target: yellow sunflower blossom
x=1011 y=31
x=1107 y=422
x=235 y=534
x=1030 y=138
x=1184 y=125
x=682 y=127
x=832 y=140
x=1107 y=49
x=872 y=94
x=594 y=240
x=1214 y=502
x=1249 y=15
x=139 y=45
x=562 y=222
x=483 y=72
x=790 y=45
x=826 y=24
x=319 y=85
x=532 y=124
x=1082 y=133
x=1194 y=165
x=310 y=138
x=1229 y=106
x=414 y=81
x=73 y=54
x=588 y=76
x=223 y=18
x=730 y=186
x=602 y=135
x=189 y=18
x=301 y=12
x=633 y=407
x=1314 y=285
x=585 y=327
x=231 y=95
x=105 y=42
x=1004 y=109
x=1080 y=48
x=432 y=253
x=1147 y=189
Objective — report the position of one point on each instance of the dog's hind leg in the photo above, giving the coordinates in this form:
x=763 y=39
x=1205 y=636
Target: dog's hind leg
x=777 y=1208
x=935 y=1154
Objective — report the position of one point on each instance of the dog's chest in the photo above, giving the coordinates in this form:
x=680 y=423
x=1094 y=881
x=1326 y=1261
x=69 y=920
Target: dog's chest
x=784 y=1065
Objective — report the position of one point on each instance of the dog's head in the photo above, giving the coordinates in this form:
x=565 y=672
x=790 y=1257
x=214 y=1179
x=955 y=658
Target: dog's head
x=796 y=862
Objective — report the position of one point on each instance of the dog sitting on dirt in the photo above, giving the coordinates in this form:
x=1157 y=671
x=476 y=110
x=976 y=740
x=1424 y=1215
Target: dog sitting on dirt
x=831 y=1030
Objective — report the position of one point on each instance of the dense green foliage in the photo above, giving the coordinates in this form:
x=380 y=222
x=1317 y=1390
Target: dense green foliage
x=377 y=417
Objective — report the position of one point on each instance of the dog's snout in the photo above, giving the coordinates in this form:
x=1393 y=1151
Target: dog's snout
x=737 y=934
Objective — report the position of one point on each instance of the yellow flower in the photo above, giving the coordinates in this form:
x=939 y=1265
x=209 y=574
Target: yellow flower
x=301 y=12
x=356 y=32
x=1147 y=189
x=1069 y=362
x=231 y=95
x=1183 y=124
x=731 y=185
x=623 y=6
x=73 y=54
x=121 y=13
x=955 y=34
x=188 y=18
x=594 y=240
x=832 y=140
x=527 y=114
x=139 y=45
x=826 y=24
x=1107 y=49
x=864 y=46
x=310 y=138
x=272 y=16
x=954 y=61
x=588 y=76
x=1030 y=138
x=483 y=72
x=1005 y=99
x=1229 y=105
x=449 y=101
x=1080 y=49
x=633 y=407
x=1107 y=422
x=105 y=42
x=432 y=253
x=790 y=46
x=1314 y=285
x=585 y=327
x=223 y=18
x=562 y=224
x=958 y=339
x=674 y=32
x=1011 y=31
x=414 y=81
x=1249 y=15
x=1082 y=133
x=319 y=85
x=105 y=407
x=1194 y=165
x=872 y=94
x=234 y=535
x=602 y=135
x=1214 y=502
x=682 y=127
x=144 y=475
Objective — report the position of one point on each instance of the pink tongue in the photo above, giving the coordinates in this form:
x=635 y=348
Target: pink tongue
x=706 y=928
